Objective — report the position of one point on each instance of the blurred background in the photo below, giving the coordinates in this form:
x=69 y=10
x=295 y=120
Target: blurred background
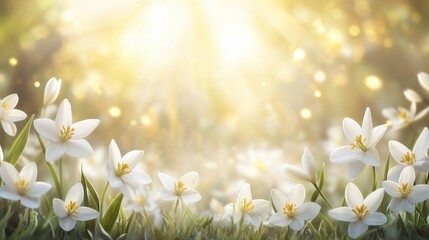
x=231 y=89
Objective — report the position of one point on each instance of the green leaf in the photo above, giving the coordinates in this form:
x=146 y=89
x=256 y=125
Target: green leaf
x=93 y=193
x=322 y=176
x=386 y=168
x=20 y=142
x=112 y=213
x=314 y=196
x=85 y=193
x=4 y=221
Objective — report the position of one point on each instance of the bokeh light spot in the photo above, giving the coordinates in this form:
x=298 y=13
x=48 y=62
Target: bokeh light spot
x=13 y=61
x=306 y=113
x=115 y=111
x=373 y=82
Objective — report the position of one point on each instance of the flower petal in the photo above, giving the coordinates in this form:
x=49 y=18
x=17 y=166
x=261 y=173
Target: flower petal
x=374 y=199
x=114 y=180
x=375 y=219
x=408 y=175
x=351 y=129
x=85 y=214
x=297 y=224
x=397 y=150
x=307 y=211
x=9 y=174
x=343 y=154
x=190 y=179
x=309 y=164
x=15 y=115
x=296 y=173
x=67 y=223
x=377 y=134
x=9 y=128
x=167 y=195
x=190 y=196
x=297 y=195
x=29 y=172
x=54 y=151
x=412 y=96
x=137 y=178
x=422 y=144
x=75 y=194
x=8 y=193
x=278 y=198
x=30 y=202
x=353 y=195
x=59 y=208
x=371 y=158
x=355 y=168
x=262 y=207
x=344 y=214
x=78 y=148
x=46 y=128
x=280 y=220
x=356 y=229
x=84 y=128
x=11 y=100
x=367 y=125
x=421 y=114
x=423 y=80
x=391 y=188
x=38 y=189
x=167 y=181
x=133 y=158
x=419 y=194
x=244 y=193
x=64 y=115
x=114 y=155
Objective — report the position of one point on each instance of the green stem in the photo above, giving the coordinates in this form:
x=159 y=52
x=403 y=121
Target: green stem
x=386 y=168
x=61 y=173
x=421 y=215
x=323 y=196
x=102 y=199
x=374 y=179
x=56 y=181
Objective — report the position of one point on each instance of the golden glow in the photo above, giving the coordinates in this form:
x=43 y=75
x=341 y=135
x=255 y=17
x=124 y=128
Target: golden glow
x=317 y=93
x=319 y=77
x=373 y=82
x=299 y=54
x=306 y=113
x=115 y=111
x=36 y=84
x=354 y=30
x=13 y=61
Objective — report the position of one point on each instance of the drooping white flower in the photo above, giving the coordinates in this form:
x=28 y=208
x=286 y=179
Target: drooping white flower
x=121 y=171
x=291 y=209
x=22 y=186
x=251 y=210
x=424 y=80
x=405 y=157
x=307 y=173
x=66 y=137
x=412 y=96
x=361 y=150
x=9 y=115
x=360 y=212
x=182 y=188
x=52 y=90
x=70 y=211
x=401 y=117
x=404 y=194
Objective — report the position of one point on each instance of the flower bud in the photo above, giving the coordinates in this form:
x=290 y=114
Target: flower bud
x=424 y=80
x=412 y=96
x=51 y=91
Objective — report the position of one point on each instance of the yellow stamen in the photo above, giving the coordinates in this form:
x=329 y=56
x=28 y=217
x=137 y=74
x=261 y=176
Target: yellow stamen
x=289 y=210
x=22 y=186
x=179 y=188
x=72 y=207
x=140 y=200
x=5 y=106
x=409 y=158
x=260 y=165
x=66 y=133
x=361 y=211
x=403 y=114
x=405 y=190
x=123 y=168
x=359 y=143
x=246 y=206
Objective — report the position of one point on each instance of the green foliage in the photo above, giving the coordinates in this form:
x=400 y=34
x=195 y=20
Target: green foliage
x=20 y=142
x=112 y=213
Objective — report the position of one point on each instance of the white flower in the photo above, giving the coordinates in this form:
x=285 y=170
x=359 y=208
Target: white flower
x=121 y=171
x=424 y=80
x=291 y=209
x=361 y=149
x=52 y=90
x=1 y=155
x=66 y=137
x=360 y=212
x=22 y=186
x=142 y=200
x=182 y=189
x=9 y=115
x=70 y=211
x=401 y=117
x=307 y=173
x=404 y=194
x=412 y=96
x=405 y=157
x=252 y=211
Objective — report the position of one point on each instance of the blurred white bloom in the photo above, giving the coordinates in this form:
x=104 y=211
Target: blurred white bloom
x=52 y=90
x=141 y=200
x=361 y=149
x=412 y=96
x=1 y=155
x=252 y=211
x=360 y=212
x=121 y=171
x=401 y=117
x=307 y=173
x=9 y=115
x=291 y=209
x=70 y=211
x=424 y=80
x=65 y=136
x=182 y=189
x=405 y=157
x=22 y=186
x=404 y=194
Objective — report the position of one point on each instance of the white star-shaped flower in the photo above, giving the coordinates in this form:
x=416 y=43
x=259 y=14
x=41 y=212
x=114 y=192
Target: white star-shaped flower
x=9 y=115
x=291 y=209
x=182 y=188
x=307 y=173
x=121 y=171
x=66 y=137
x=401 y=117
x=404 y=193
x=360 y=212
x=405 y=157
x=361 y=150
x=70 y=211
x=22 y=186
